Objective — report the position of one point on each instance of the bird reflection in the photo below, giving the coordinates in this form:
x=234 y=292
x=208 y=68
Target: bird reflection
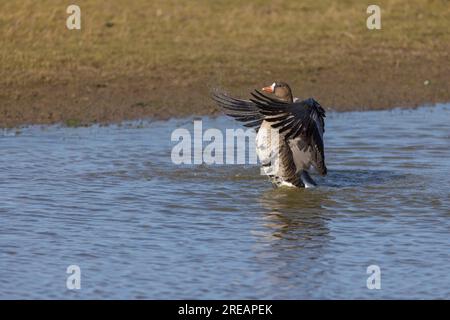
x=293 y=234
x=297 y=217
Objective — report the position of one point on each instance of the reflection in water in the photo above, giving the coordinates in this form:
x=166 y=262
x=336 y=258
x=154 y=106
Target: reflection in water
x=293 y=236
x=297 y=216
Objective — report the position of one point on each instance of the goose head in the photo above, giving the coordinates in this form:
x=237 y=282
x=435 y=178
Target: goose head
x=281 y=90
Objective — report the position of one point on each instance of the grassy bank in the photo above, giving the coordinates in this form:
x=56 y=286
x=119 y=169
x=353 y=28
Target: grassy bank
x=141 y=58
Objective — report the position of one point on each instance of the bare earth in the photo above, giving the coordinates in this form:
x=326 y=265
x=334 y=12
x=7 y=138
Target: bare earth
x=161 y=59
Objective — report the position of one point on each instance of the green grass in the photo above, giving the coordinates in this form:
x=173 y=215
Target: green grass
x=226 y=39
x=187 y=46
x=73 y=123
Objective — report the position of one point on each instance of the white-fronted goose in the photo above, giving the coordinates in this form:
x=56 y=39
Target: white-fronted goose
x=297 y=125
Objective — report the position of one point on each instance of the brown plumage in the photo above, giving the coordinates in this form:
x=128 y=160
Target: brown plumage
x=297 y=125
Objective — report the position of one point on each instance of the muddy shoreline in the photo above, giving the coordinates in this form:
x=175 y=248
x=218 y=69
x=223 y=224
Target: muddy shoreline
x=89 y=101
x=161 y=60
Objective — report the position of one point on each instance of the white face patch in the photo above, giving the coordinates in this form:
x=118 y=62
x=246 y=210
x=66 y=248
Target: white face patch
x=273 y=86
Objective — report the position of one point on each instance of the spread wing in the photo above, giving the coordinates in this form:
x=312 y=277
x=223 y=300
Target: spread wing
x=242 y=110
x=304 y=119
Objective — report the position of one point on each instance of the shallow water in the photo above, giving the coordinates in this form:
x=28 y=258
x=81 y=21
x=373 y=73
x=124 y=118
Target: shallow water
x=109 y=200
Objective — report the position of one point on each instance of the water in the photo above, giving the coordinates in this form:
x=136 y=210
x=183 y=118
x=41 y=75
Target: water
x=109 y=200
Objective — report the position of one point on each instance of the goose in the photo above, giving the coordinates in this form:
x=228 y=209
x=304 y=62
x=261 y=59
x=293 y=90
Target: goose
x=289 y=138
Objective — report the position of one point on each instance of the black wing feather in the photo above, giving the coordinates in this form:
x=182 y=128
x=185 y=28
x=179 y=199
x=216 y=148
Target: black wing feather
x=242 y=110
x=303 y=119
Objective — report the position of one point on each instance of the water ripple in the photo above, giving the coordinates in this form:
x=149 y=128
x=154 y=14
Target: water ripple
x=109 y=200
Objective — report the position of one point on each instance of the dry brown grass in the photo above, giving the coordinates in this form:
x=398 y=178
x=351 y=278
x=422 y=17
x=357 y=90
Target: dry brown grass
x=160 y=58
